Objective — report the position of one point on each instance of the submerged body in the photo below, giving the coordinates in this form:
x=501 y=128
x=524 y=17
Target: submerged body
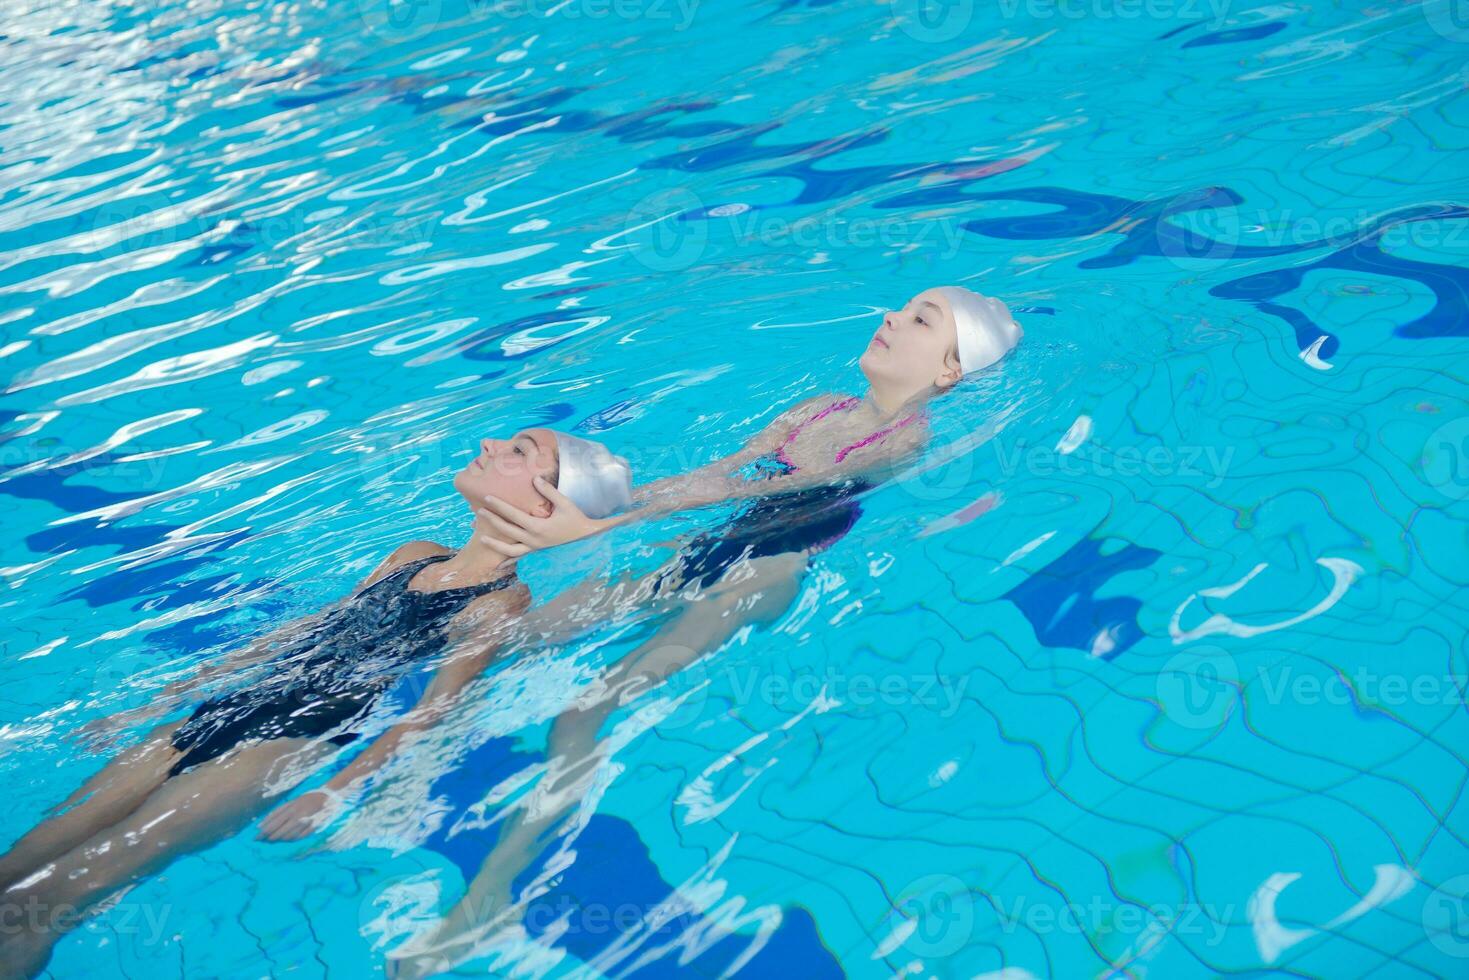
x=194 y=782
x=328 y=678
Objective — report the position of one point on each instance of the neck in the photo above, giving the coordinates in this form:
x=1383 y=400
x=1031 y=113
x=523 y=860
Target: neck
x=478 y=561
x=889 y=400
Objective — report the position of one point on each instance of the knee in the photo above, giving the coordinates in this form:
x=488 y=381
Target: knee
x=766 y=592
x=163 y=733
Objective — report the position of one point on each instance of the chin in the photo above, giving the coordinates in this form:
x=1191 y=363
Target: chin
x=464 y=485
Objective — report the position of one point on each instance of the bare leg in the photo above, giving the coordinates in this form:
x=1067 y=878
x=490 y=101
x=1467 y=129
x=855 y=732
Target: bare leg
x=574 y=756
x=118 y=789
x=187 y=813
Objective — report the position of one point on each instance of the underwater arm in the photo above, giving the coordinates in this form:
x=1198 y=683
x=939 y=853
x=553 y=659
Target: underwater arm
x=306 y=813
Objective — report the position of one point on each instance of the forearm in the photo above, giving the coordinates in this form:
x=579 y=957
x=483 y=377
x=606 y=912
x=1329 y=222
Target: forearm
x=683 y=492
x=385 y=746
x=443 y=692
x=708 y=484
x=371 y=759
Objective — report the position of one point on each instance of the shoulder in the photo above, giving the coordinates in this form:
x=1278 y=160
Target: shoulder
x=908 y=444
x=897 y=447
x=402 y=555
x=780 y=427
x=805 y=409
x=492 y=610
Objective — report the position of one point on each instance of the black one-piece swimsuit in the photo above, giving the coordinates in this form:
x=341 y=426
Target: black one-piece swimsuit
x=809 y=520
x=334 y=672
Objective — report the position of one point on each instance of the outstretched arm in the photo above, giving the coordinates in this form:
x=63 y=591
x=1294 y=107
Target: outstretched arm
x=716 y=482
x=518 y=532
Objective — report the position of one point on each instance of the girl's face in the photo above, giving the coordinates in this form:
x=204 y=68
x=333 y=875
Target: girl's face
x=505 y=468
x=915 y=346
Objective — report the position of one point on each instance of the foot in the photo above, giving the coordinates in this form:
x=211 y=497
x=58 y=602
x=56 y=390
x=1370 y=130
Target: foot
x=454 y=940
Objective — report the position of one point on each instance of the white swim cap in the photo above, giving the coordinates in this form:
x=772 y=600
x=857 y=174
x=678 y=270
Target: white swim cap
x=985 y=327
x=596 y=480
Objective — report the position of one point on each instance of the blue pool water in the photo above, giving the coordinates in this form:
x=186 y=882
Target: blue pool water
x=1154 y=666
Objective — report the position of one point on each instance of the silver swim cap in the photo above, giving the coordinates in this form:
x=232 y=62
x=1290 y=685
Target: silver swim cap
x=986 y=330
x=596 y=480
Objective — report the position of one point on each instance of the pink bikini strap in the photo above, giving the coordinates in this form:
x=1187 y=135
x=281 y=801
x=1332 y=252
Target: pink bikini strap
x=836 y=406
x=876 y=436
x=841 y=406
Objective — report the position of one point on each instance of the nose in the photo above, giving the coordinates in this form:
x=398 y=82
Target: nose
x=486 y=445
x=887 y=320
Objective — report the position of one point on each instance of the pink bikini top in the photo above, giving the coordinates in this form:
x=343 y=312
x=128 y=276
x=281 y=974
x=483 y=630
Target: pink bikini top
x=839 y=406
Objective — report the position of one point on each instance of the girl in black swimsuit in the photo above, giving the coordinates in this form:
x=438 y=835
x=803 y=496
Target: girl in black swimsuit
x=331 y=675
x=196 y=781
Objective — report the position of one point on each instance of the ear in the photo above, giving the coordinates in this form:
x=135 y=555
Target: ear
x=951 y=373
x=544 y=506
